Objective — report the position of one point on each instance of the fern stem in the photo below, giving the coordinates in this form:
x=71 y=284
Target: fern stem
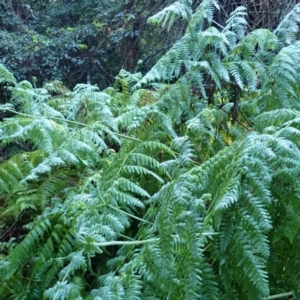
x=281 y=295
x=73 y=122
x=238 y=121
x=126 y=237
x=210 y=233
x=113 y=243
x=130 y=215
x=154 y=240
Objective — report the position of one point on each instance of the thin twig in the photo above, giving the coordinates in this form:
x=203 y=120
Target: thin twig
x=13 y=224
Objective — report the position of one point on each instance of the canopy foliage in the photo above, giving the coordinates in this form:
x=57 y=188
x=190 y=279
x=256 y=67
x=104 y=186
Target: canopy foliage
x=89 y=41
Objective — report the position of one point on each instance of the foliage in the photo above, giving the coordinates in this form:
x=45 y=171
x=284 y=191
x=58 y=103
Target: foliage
x=181 y=184
x=79 y=41
x=90 y=40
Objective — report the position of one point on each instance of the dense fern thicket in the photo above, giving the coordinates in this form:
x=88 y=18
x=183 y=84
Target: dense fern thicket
x=179 y=184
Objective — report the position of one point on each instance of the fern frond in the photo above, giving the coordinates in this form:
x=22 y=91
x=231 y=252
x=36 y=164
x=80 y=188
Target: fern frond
x=63 y=290
x=129 y=186
x=85 y=99
x=77 y=262
x=168 y=15
x=288 y=28
x=24 y=250
x=11 y=172
x=140 y=171
x=236 y=24
x=170 y=65
x=251 y=264
x=56 y=87
x=282 y=75
x=112 y=287
x=6 y=76
x=204 y=13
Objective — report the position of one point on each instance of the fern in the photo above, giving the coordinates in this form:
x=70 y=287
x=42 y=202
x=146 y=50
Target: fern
x=185 y=190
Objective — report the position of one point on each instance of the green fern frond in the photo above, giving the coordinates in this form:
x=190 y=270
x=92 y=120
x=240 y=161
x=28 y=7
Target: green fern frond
x=129 y=186
x=288 y=28
x=6 y=76
x=129 y=169
x=236 y=24
x=31 y=100
x=249 y=265
x=112 y=287
x=203 y=13
x=86 y=98
x=77 y=262
x=167 y=16
x=12 y=172
x=282 y=76
x=23 y=251
x=63 y=290
x=56 y=88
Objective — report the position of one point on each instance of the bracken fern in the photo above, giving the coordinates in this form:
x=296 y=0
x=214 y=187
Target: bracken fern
x=182 y=184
